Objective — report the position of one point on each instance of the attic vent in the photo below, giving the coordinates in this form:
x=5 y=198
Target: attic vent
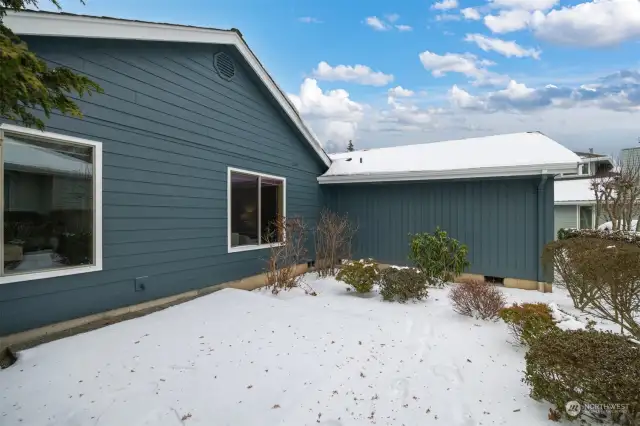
x=224 y=66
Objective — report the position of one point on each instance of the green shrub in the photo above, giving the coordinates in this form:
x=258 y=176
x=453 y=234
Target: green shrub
x=528 y=321
x=403 y=284
x=438 y=256
x=361 y=275
x=589 y=367
x=631 y=237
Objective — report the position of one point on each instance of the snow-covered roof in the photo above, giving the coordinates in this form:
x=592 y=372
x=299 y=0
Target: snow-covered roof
x=516 y=154
x=569 y=191
x=22 y=156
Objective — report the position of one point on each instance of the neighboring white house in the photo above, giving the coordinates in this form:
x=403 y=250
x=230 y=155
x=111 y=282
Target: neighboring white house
x=573 y=198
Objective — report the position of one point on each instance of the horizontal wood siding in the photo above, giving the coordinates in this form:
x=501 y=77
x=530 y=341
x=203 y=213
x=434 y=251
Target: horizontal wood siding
x=170 y=127
x=496 y=219
x=565 y=217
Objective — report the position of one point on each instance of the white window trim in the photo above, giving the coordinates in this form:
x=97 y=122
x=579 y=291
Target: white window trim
x=258 y=246
x=97 y=204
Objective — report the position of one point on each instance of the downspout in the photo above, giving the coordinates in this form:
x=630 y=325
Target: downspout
x=541 y=227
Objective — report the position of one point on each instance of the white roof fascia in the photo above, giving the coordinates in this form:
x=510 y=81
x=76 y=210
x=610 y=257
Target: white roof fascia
x=484 y=172
x=64 y=25
x=575 y=203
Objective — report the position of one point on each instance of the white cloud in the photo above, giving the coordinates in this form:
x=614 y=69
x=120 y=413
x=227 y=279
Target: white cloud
x=360 y=74
x=462 y=99
x=524 y=4
x=447 y=17
x=309 y=20
x=400 y=92
x=403 y=28
x=593 y=24
x=466 y=64
x=503 y=47
x=377 y=24
x=392 y=17
x=388 y=24
x=332 y=114
x=403 y=116
x=470 y=14
x=613 y=93
x=445 y=5
x=508 y=20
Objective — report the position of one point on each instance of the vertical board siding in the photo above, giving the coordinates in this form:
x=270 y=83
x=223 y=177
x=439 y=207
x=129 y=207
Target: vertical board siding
x=496 y=219
x=170 y=127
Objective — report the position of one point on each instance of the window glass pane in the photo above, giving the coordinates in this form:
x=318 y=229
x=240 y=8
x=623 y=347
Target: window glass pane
x=271 y=209
x=586 y=217
x=584 y=169
x=48 y=205
x=244 y=209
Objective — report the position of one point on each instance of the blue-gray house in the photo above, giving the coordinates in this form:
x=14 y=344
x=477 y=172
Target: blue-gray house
x=168 y=182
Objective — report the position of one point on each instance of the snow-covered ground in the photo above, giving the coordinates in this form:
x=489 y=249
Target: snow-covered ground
x=251 y=358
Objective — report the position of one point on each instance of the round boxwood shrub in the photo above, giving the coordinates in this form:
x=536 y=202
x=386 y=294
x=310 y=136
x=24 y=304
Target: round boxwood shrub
x=402 y=284
x=528 y=321
x=600 y=371
x=361 y=275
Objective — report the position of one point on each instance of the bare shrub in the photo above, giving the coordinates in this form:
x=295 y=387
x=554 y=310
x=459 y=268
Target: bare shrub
x=604 y=276
x=333 y=236
x=287 y=250
x=617 y=194
x=477 y=298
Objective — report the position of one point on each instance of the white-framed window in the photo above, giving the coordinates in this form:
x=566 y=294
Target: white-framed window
x=51 y=205
x=586 y=216
x=583 y=169
x=254 y=202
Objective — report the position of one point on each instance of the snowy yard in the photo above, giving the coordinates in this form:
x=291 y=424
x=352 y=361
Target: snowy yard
x=251 y=358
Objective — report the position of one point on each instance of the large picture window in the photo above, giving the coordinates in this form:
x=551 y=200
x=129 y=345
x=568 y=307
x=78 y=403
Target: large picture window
x=51 y=204
x=255 y=202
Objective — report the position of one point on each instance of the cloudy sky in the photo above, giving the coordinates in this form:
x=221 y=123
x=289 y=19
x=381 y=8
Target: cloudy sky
x=385 y=73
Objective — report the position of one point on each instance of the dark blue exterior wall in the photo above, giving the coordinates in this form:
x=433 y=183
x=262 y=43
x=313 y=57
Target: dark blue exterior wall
x=497 y=219
x=170 y=127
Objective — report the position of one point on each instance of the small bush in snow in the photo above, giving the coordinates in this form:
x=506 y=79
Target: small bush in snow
x=438 y=256
x=333 y=236
x=589 y=367
x=477 y=298
x=282 y=264
x=403 y=284
x=361 y=275
x=528 y=321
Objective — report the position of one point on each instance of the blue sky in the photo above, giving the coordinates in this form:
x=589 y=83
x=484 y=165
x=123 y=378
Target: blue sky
x=464 y=68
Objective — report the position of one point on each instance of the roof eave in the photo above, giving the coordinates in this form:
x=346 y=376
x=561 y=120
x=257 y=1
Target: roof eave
x=574 y=202
x=66 y=25
x=484 y=172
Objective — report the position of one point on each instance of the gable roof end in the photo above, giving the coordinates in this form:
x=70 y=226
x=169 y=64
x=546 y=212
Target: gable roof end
x=82 y=26
x=515 y=154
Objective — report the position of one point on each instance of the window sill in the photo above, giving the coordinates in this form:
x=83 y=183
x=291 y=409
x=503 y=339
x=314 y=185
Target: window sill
x=237 y=249
x=52 y=273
